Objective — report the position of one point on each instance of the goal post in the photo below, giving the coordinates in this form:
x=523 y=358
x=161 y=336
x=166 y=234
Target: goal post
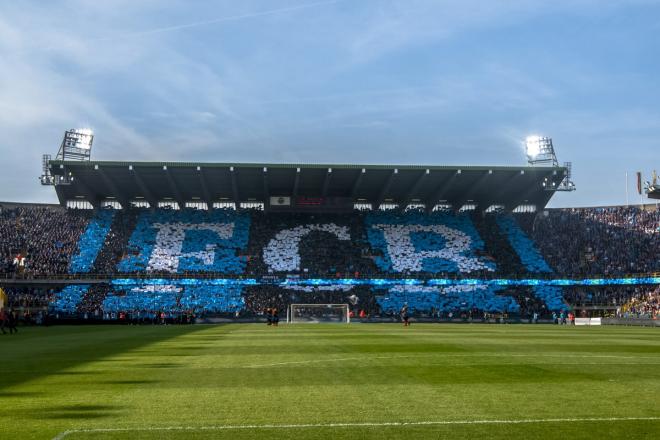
x=317 y=313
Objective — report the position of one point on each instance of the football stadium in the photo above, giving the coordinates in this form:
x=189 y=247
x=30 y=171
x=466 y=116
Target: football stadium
x=215 y=300
x=346 y=299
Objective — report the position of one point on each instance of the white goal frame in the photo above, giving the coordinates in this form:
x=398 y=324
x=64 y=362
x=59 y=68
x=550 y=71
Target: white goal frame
x=292 y=315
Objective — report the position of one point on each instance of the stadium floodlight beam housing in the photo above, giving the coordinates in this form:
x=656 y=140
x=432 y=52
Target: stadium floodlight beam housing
x=532 y=147
x=541 y=151
x=76 y=145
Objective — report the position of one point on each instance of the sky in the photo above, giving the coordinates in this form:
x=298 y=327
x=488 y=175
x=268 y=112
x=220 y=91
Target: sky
x=429 y=82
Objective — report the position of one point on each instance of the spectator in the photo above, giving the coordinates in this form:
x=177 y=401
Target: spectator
x=39 y=241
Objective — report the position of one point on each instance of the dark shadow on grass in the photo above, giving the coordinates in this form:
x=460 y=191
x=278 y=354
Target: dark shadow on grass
x=77 y=412
x=130 y=382
x=74 y=416
x=20 y=394
x=63 y=348
x=81 y=408
x=181 y=355
x=71 y=412
x=74 y=373
x=160 y=365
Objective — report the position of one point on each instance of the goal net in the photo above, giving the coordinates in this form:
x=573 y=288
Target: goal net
x=315 y=313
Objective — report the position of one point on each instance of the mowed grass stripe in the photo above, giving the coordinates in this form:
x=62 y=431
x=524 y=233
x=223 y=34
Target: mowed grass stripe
x=240 y=375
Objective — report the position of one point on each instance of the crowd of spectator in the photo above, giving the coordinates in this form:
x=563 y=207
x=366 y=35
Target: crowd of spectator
x=605 y=296
x=260 y=298
x=575 y=242
x=643 y=305
x=497 y=248
x=116 y=242
x=28 y=297
x=39 y=240
x=321 y=251
x=92 y=302
x=597 y=241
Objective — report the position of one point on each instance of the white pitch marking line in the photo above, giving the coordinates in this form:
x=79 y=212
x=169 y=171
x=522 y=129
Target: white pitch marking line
x=65 y=434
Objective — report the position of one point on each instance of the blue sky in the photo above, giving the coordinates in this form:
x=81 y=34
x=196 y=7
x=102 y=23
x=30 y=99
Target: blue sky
x=352 y=81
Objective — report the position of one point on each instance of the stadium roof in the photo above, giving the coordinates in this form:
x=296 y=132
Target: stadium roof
x=317 y=185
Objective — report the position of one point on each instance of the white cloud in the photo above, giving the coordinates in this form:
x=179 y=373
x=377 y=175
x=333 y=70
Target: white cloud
x=281 y=81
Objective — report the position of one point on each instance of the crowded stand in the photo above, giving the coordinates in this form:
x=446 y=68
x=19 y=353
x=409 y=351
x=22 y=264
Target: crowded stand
x=116 y=242
x=91 y=241
x=597 y=241
x=138 y=249
x=315 y=245
x=642 y=305
x=37 y=240
x=584 y=242
x=202 y=298
x=454 y=299
x=169 y=241
x=29 y=298
x=437 y=242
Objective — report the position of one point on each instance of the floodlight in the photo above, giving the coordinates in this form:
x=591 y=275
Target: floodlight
x=81 y=138
x=541 y=152
x=533 y=146
x=78 y=139
x=76 y=145
x=85 y=131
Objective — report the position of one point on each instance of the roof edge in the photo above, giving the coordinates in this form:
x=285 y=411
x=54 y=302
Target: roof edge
x=302 y=165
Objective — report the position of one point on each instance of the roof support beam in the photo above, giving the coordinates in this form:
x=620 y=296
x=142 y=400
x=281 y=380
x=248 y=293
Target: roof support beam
x=266 y=189
x=414 y=189
x=174 y=188
x=326 y=182
x=441 y=191
x=474 y=189
x=296 y=184
x=386 y=188
x=153 y=203
x=528 y=192
x=234 y=187
x=113 y=188
x=90 y=196
x=59 y=190
x=356 y=184
x=205 y=188
x=505 y=187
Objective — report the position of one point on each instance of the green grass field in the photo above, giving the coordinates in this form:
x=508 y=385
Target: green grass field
x=363 y=381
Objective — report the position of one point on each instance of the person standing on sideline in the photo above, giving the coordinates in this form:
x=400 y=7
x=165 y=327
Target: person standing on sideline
x=12 y=319
x=3 y=321
x=404 y=315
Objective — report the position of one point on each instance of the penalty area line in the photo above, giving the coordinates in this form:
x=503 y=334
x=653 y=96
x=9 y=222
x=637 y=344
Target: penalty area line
x=68 y=433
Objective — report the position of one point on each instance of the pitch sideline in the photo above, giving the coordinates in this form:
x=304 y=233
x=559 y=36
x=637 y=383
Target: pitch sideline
x=65 y=434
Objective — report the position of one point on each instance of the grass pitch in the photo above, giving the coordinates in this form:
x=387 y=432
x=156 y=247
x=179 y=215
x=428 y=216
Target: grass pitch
x=362 y=381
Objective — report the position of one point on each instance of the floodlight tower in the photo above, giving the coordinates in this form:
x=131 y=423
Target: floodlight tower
x=653 y=188
x=540 y=151
x=76 y=145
